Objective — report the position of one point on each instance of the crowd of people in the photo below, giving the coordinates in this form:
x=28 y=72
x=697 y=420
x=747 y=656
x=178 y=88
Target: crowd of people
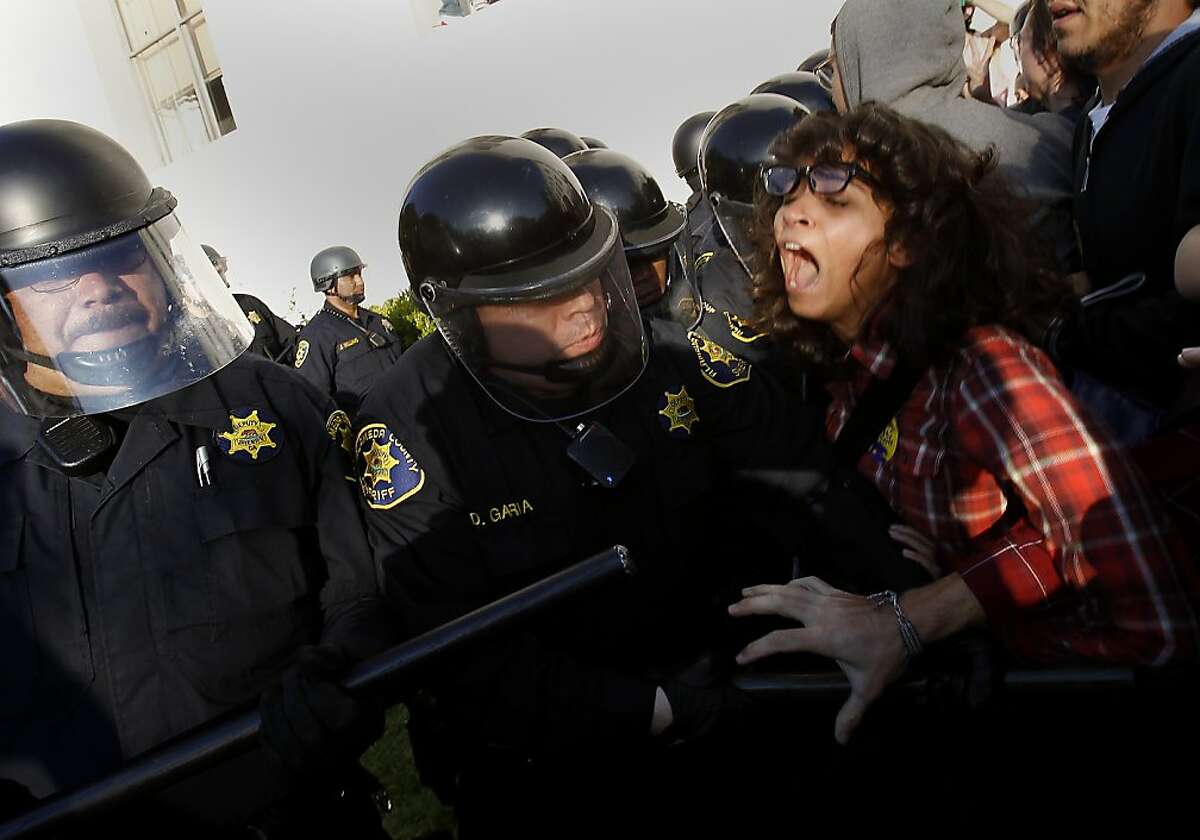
x=905 y=392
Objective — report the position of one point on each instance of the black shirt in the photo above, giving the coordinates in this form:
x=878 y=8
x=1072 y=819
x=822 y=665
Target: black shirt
x=138 y=604
x=1134 y=201
x=274 y=338
x=465 y=502
x=343 y=357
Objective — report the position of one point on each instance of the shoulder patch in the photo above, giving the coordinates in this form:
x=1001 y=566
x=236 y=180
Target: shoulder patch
x=389 y=473
x=742 y=330
x=301 y=352
x=347 y=344
x=251 y=438
x=884 y=449
x=253 y=317
x=678 y=412
x=718 y=365
x=339 y=429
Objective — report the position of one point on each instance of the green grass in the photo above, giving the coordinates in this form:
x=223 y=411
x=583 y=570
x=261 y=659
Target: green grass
x=415 y=809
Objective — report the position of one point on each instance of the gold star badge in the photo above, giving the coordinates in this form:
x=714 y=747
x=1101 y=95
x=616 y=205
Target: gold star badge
x=379 y=461
x=253 y=317
x=680 y=411
x=248 y=434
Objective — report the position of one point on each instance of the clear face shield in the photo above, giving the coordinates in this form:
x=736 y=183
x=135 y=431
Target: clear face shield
x=115 y=324
x=552 y=348
x=683 y=302
x=735 y=219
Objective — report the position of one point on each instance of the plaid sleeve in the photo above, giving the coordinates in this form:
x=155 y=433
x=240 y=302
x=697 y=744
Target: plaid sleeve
x=1087 y=570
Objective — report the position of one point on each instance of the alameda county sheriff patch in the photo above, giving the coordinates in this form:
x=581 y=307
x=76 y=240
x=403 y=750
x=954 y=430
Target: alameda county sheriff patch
x=389 y=473
x=250 y=439
x=301 y=352
x=718 y=365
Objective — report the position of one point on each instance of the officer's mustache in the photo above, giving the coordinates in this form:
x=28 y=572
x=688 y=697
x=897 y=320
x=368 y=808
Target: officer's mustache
x=111 y=317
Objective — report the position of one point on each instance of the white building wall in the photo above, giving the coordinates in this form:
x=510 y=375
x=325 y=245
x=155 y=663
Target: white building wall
x=339 y=102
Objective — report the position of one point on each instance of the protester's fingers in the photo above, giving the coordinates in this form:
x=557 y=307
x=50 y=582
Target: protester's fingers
x=815 y=584
x=923 y=560
x=849 y=717
x=761 y=589
x=800 y=639
x=788 y=604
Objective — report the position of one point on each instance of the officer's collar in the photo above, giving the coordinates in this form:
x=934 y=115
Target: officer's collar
x=199 y=404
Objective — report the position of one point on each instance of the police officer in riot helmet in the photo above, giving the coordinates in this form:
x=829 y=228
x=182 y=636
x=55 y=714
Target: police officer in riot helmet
x=558 y=140
x=593 y=143
x=804 y=87
x=650 y=226
x=685 y=151
x=736 y=144
x=345 y=347
x=814 y=62
x=546 y=419
x=274 y=338
x=177 y=536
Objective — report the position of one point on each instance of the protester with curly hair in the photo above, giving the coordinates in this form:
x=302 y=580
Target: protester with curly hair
x=889 y=249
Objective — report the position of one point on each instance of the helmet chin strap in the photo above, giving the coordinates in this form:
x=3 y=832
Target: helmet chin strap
x=124 y=365
x=351 y=300
x=563 y=371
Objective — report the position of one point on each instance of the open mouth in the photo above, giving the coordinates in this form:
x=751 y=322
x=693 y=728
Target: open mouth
x=800 y=268
x=1063 y=12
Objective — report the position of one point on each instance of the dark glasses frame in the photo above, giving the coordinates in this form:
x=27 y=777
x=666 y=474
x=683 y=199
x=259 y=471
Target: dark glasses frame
x=823 y=178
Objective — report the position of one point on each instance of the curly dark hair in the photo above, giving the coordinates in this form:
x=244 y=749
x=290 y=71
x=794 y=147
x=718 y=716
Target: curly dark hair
x=975 y=257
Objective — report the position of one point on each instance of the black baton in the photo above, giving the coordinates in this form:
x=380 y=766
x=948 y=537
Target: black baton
x=380 y=675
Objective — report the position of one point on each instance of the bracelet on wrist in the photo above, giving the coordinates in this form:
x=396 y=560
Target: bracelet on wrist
x=913 y=646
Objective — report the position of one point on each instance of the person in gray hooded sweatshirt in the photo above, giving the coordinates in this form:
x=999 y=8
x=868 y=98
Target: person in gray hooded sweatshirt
x=908 y=54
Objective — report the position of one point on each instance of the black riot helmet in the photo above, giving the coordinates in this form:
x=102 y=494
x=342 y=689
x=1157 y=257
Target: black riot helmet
x=558 y=140
x=104 y=301
x=803 y=87
x=685 y=147
x=498 y=240
x=593 y=143
x=649 y=224
x=331 y=263
x=735 y=146
x=810 y=64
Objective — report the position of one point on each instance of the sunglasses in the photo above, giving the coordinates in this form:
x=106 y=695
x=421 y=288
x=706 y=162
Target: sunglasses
x=823 y=178
x=121 y=256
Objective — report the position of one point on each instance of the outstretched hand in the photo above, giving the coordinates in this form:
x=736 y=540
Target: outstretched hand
x=863 y=640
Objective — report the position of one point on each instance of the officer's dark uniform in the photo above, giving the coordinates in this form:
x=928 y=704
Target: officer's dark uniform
x=699 y=220
x=274 y=338
x=466 y=502
x=138 y=604
x=343 y=356
x=728 y=308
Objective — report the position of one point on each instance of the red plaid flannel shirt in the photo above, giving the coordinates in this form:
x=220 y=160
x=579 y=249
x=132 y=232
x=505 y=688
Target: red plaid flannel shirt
x=1089 y=568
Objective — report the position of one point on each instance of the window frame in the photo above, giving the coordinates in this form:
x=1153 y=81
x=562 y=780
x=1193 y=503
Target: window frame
x=183 y=30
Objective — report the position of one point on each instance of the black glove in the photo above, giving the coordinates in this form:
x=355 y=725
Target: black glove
x=15 y=799
x=699 y=711
x=309 y=722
